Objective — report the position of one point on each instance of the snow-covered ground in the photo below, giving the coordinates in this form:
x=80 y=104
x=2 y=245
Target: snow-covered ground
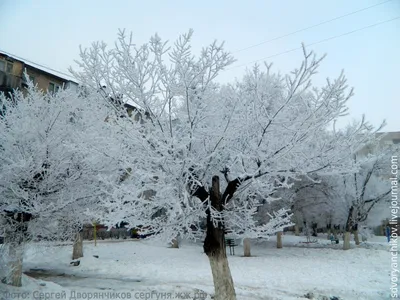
x=135 y=267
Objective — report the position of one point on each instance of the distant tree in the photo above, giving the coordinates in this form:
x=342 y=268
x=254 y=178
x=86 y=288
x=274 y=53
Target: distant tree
x=360 y=191
x=312 y=201
x=346 y=200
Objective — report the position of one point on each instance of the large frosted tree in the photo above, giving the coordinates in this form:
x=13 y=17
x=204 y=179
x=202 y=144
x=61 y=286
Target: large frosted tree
x=205 y=151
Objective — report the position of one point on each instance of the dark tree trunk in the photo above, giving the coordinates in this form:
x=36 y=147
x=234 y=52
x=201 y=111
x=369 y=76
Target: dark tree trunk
x=335 y=231
x=314 y=227
x=356 y=237
x=296 y=230
x=349 y=224
x=214 y=247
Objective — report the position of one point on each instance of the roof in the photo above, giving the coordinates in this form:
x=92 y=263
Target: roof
x=390 y=134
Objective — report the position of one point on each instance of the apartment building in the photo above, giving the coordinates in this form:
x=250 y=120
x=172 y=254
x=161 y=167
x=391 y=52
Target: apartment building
x=387 y=139
x=12 y=76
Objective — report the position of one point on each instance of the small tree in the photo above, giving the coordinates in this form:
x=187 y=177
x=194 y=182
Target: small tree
x=51 y=155
x=362 y=190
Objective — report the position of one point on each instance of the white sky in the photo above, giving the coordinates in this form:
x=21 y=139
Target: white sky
x=49 y=32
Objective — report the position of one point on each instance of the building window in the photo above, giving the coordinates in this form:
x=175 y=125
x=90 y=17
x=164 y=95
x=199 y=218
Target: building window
x=9 y=68
x=6 y=66
x=53 y=87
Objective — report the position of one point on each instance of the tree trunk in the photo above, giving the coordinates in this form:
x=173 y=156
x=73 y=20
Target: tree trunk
x=15 y=257
x=349 y=224
x=214 y=247
x=223 y=283
x=175 y=243
x=77 y=251
x=346 y=243
x=296 y=230
x=246 y=246
x=356 y=237
x=15 y=241
x=382 y=229
x=279 y=240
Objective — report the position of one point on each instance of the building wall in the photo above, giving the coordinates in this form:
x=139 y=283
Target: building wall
x=389 y=138
x=18 y=68
x=42 y=80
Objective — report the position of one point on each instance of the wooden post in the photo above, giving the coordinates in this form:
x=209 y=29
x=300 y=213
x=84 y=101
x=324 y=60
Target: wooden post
x=95 y=233
x=279 y=240
x=246 y=246
x=77 y=251
x=346 y=241
x=175 y=243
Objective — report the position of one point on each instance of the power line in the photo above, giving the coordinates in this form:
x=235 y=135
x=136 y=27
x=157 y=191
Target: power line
x=310 y=27
x=315 y=43
x=35 y=64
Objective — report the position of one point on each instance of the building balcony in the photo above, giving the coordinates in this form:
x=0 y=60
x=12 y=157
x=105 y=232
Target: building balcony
x=9 y=82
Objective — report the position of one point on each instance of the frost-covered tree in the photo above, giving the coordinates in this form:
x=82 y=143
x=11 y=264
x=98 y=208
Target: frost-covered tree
x=311 y=202
x=358 y=192
x=308 y=199
x=346 y=200
x=52 y=152
x=258 y=134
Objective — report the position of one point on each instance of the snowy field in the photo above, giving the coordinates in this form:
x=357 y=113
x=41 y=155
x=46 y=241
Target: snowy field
x=144 y=267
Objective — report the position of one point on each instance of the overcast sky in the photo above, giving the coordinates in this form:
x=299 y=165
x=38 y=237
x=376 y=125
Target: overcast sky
x=49 y=32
